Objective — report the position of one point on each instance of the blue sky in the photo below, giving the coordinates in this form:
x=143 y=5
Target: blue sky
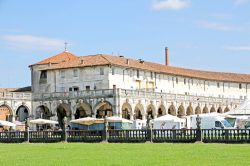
x=209 y=35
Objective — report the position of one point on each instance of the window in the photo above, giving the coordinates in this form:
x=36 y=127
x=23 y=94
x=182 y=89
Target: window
x=113 y=71
x=240 y=86
x=131 y=73
x=101 y=71
x=184 y=80
x=218 y=124
x=43 y=77
x=75 y=73
x=88 y=88
x=62 y=73
x=192 y=82
x=151 y=75
x=76 y=89
x=43 y=74
x=176 y=80
x=62 y=89
x=218 y=85
x=138 y=73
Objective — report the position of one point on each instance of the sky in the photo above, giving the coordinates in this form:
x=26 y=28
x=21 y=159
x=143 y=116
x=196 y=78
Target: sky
x=208 y=35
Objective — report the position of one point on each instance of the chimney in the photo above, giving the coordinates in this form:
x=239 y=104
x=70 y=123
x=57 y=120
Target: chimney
x=166 y=56
x=127 y=61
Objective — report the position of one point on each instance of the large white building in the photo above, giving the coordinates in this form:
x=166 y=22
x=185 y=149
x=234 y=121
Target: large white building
x=104 y=85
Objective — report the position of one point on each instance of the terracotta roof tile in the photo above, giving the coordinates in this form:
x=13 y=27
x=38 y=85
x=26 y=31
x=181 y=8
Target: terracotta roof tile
x=102 y=59
x=62 y=57
x=7 y=89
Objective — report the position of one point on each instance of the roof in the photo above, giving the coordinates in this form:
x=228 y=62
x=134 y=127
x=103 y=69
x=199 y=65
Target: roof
x=23 y=89
x=62 y=57
x=7 y=89
x=68 y=60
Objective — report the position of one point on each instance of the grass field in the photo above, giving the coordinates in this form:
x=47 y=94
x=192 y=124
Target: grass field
x=124 y=154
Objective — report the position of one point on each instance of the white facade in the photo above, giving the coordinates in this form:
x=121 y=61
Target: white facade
x=129 y=92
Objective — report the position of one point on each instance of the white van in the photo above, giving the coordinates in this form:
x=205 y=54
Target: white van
x=209 y=121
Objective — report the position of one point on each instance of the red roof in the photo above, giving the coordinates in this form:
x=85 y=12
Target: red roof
x=62 y=57
x=68 y=60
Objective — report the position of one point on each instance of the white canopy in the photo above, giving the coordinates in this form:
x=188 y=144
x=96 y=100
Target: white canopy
x=243 y=109
x=87 y=121
x=118 y=119
x=169 y=118
x=43 y=121
x=6 y=123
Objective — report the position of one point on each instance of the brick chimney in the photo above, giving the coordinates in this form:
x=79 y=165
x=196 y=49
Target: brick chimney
x=166 y=56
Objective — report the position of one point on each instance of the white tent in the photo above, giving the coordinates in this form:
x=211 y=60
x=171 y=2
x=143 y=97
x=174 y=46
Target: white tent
x=43 y=121
x=6 y=123
x=168 y=122
x=243 y=109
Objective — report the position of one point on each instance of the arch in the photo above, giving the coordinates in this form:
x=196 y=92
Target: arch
x=226 y=109
x=22 y=113
x=172 y=110
x=219 y=110
x=190 y=110
x=181 y=111
x=126 y=111
x=161 y=111
x=6 y=113
x=151 y=111
x=104 y=108
x=83 y=110
x=198 y=110
x=212 y=109
x=43 y=112
x=205 y=110
x=139 y=111
x=63 y=110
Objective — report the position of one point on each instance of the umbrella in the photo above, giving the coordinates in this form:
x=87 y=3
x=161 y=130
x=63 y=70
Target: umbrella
x=6 y=123
x=43 y=121
x=118 y=119
x=87 y=121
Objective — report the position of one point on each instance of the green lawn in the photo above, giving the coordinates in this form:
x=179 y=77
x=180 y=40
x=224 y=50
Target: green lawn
x=124 y=154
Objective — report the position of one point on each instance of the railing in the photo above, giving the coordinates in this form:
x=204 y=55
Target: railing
x=15 y=95
x=137 y=94
x=180 y=97
x=13 y=137
x=130 y=136
x=73 y=95
x=176 y=135
x=226 y=135
x=46 y=136
x=85 y=135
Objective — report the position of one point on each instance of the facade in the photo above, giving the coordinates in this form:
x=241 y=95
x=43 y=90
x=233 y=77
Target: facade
x=15 y=104
x=71 y=86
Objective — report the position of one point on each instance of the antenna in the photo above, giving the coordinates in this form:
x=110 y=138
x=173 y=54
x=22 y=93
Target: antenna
x=65 y=46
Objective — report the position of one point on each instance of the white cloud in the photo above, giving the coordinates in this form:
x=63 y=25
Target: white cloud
x=170 y=4
x=29 y=42
x=240 y=2
x=238 y=48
